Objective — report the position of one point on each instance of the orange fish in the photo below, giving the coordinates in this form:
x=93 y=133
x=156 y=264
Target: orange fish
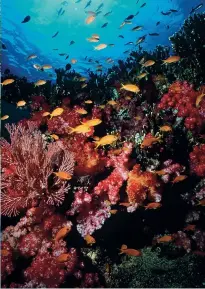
x=164 y=239
x=63 y=258
x=89 y=240
x=131 y=252
x=190 y=227
x=153 y=206
x=199 y=99
x=106 y=140
x=4 y=253
x=112 y=102
x=113 y=212
x=148 y=63
x=165 y=128
x=88 y=101
x=125 y=204
x=54 y=136
x=46 y=113
x=62 y=233
x=82 y=128
x=100 y=46
x=73 y=60
x=160 y=173
x=5 y=117
x=93 y=122
x=21 y=103
x=171 y=59
x=179 y=179
x=90 y=19
x=63 y=176
x=147 y=142
x=81 y=111
x=202 y=202
x=7 y=81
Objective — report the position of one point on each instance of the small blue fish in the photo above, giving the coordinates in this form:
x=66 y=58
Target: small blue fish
x=88 y=4
x=59 y=12
x=72 y=42
x=108 y=13
x=100 y=6
x=104 y=25
x=26 y=19
x=55 y=34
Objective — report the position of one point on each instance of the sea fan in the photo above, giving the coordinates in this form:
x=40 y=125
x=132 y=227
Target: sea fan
x=28 y=163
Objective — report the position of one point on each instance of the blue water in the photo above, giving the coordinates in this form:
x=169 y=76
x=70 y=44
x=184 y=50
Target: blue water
x=35 y=36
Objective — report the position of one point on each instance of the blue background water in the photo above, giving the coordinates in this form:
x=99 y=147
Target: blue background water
x=35 y=37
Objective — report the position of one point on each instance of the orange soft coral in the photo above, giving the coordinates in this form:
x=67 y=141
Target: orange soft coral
x=140 y=184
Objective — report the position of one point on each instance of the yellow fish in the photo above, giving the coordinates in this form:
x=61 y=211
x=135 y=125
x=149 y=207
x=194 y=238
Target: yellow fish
x=73 y=60
x=131 y=87
x=40 y=82
x=81 y=111
x=93 y=39
x=100 y=46
x=112 y=102
x=56 y=112
x=46 y=66
x=21 y=103
x=82 y=128
x=5 y=117
x=63 y=176
x=88 y=101
x=7 y=81
x=93 y=122
x=106 y=140
x=199 y=99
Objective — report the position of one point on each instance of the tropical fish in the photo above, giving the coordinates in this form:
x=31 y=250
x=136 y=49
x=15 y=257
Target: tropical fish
x=172 y=59
x=5 y=117
x=157 y=23
x=37 y=66
x=81 y=111
x=63 y=175
x=73 y=60
x=108 y=13
x=46 y=113
x=141 y=39
x=196 y=8
x=165 y=239
x=201 y=202
x=46 y=66
x=199 y=99
x=131 y=87
x=104 y=25
x=82 y=128
x=100 y=46
x=54 y=136
x=111 y=45
x=89 y=19
x=166 y=13
x=154 y=34
x=66 y=57
x=112 y=102
x=21 y=103
x=148 y=63
x=173 y=10
x=56 y=112
x=106 y=140
x=90 y=240
x=100 y=6
x=88 y=4
x=137 y=28
x=88 y=101
x=72 y=42
x=83 y=85
x=62 y=54
x=93 y=122
x=113 y=212
x=130 y=252
x=59 y=12
x=40 y=82
x=142 y=75
x=62 y=12
x=26 y=19
x=121 y=36
x=143 y=5
x=165 y=128
x=125 y=204
x=4 y=253
x=7 y=81
x=32 y=56
x=130 y=17
x=179 y=179
x=93 y=39
x=55 y=34
x=62 y=233
x=190 y=227
x=63 y=258
x=147 y=142
x=153 y=206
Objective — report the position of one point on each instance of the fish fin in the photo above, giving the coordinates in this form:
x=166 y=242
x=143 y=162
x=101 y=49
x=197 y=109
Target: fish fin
x=122 y=86
x=72 y=129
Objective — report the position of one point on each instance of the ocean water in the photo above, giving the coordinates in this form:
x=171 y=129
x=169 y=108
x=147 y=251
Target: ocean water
x=68 y=19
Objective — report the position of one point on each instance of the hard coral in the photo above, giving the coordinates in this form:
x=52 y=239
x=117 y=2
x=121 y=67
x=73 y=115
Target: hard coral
x=28 y=164
x=182 y=96
x=140 y=184
x=197 y=160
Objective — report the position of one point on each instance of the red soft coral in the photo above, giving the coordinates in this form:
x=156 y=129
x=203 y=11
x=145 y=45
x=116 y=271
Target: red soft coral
x=197 y=160
x=140 y=184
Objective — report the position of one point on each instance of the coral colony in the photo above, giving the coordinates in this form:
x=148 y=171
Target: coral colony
x=86 y=159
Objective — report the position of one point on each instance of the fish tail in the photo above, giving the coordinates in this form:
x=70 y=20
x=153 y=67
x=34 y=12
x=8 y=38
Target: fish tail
x=122 y=86
x=71 y=130
x=97 y=143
